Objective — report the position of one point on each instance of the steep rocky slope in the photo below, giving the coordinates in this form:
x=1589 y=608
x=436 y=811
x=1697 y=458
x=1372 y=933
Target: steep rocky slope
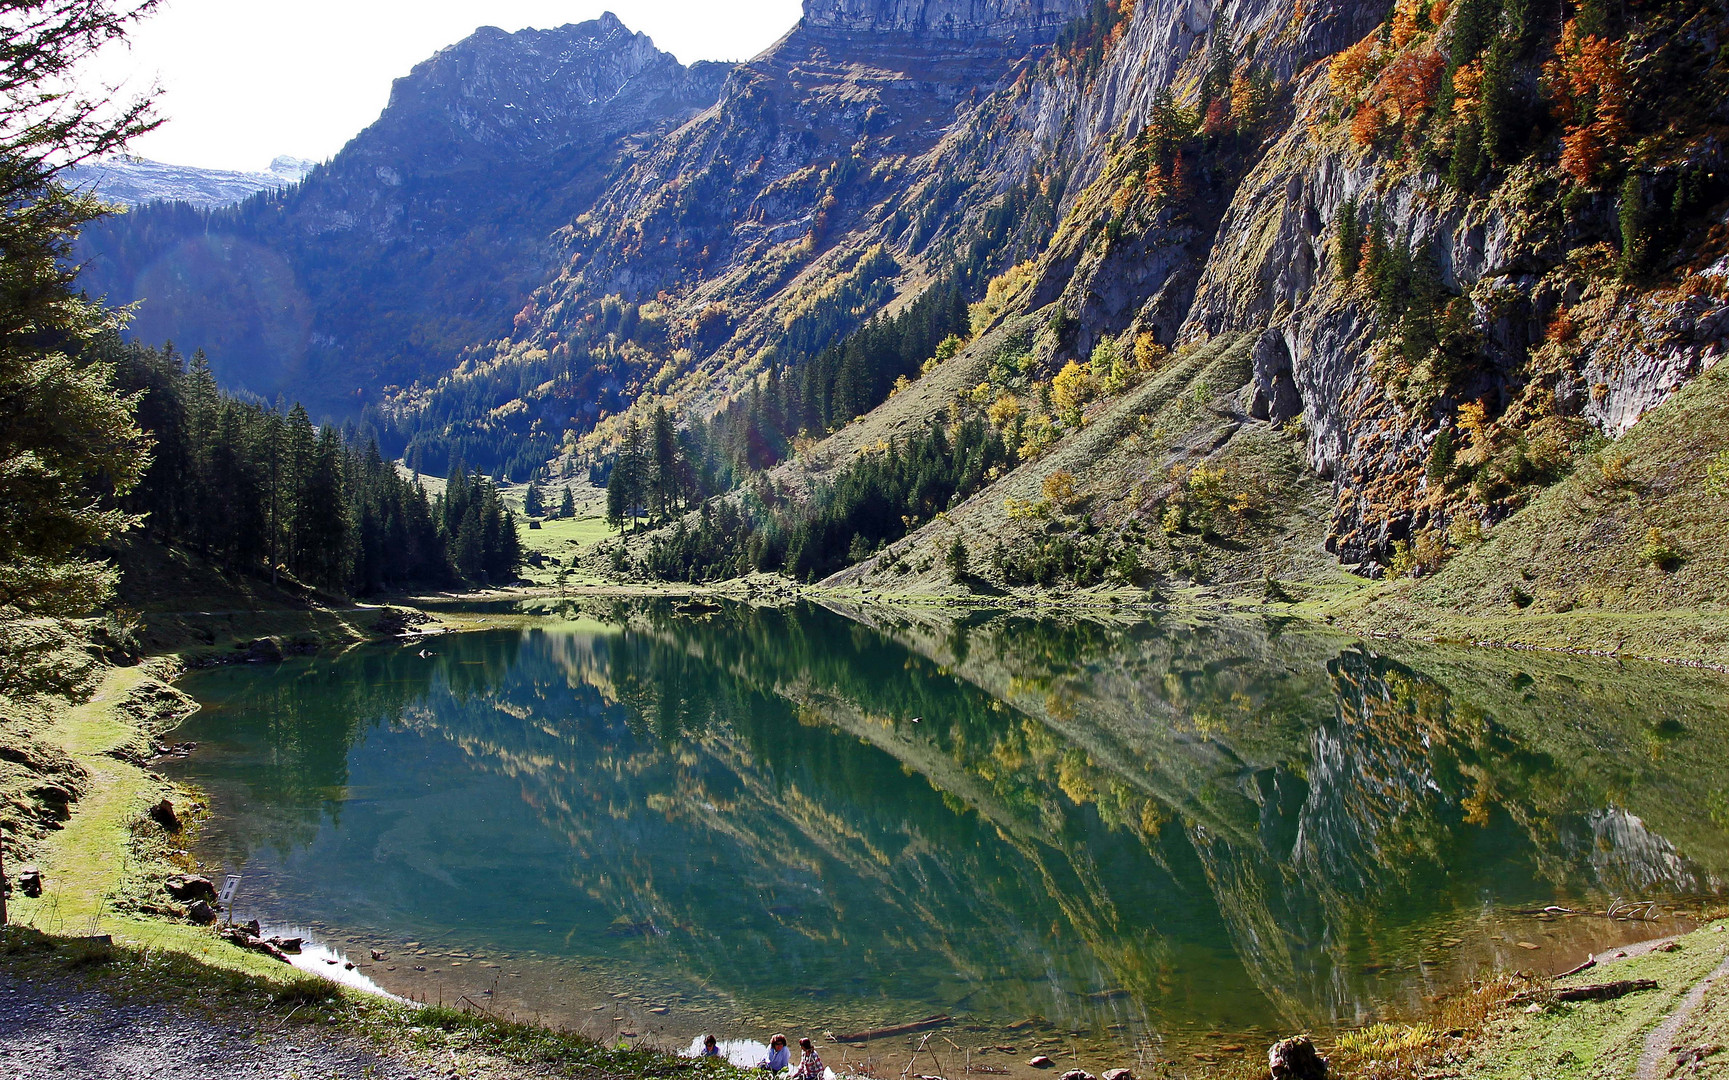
x=424 y=234
x=1450 y=264
x=1259 y=289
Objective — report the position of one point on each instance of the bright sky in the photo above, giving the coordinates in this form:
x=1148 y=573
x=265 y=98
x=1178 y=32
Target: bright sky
x=246 y=80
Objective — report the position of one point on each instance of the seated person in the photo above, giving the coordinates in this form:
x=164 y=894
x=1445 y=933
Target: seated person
x=779 y=1057
x=810 y=1066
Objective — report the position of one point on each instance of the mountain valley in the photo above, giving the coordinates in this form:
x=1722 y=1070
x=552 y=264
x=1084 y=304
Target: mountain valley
x=1255 y=294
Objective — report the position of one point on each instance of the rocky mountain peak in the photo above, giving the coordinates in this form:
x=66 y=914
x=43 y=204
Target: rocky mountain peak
x=520 y=93
x=946 y=18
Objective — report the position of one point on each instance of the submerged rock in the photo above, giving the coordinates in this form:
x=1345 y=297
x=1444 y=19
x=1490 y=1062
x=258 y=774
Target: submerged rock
x=1041 y=1062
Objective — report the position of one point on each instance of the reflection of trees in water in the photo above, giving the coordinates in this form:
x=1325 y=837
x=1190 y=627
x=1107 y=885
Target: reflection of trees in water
x=737 y=820
x=284 y=739
x=1322 y=835
x=1081 y=806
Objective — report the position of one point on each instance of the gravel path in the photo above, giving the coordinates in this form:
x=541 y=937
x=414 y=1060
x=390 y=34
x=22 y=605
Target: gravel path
x=52 y=1030
x=1656 y=1061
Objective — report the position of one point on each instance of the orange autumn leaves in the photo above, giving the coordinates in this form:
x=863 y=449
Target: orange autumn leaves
x=1392 y=79
x=1392 y=85
x=1587 y=79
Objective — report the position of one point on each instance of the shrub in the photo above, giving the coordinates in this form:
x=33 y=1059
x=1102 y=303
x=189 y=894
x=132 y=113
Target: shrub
x=1005 y=410
x=1072 y=388
x=1660 y=551
x=1717 y=475
x=957 y=560
x=1150 y=356
x=1059 y=489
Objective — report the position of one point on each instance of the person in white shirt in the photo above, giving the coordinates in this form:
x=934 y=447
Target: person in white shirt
x=779 y=1057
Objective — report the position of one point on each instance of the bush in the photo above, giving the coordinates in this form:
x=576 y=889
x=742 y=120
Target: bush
x=1059 y=489
x=1660 y=551
x=957 y=560
x=1717 y=475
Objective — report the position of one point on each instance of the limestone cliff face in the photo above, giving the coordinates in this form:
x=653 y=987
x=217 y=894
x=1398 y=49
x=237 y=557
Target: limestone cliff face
x=945 y=18
x=1272 y=272
x=830 y=142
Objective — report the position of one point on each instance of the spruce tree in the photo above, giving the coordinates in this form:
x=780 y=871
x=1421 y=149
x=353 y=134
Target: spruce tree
x=567 y=505
x=531 y=502
x=631 y=473
x=664 y=467
x=67 y=436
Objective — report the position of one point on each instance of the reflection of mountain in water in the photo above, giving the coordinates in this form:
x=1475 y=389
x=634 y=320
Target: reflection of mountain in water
x=1222 y=822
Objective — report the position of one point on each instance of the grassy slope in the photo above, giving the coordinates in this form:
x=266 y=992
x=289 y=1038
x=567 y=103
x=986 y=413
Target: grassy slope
x=1186 y=413
x=1606 y=1039
x=1569 y=571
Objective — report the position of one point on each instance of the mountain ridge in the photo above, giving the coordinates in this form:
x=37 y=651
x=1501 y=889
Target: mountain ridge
x=1296 y=258
x=425 y=233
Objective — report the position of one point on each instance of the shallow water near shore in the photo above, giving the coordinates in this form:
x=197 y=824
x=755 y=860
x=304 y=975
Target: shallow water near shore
x=1115 y=842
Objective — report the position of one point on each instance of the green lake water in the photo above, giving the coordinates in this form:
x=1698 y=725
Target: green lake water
x=1123 y=838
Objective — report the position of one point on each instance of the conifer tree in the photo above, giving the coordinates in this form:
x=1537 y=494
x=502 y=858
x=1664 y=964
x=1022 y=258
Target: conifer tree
x=531 y=501
x=66 y=434
x=627 y=489
x=567 y=505
x=663 y=494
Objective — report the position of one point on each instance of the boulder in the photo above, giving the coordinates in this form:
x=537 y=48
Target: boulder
x=200 y=912
x=1078 y=1074
x=264 y=651
x=287 y=944
x=56 y=802
x=1296 y=1058
x=163 y=814
x=30 y=882
x=1041 y=1062
x=238 y=936
x=188 y=887
x=1119 y=1074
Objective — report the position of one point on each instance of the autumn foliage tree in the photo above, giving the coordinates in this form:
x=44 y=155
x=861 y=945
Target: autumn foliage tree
x=1588 y=84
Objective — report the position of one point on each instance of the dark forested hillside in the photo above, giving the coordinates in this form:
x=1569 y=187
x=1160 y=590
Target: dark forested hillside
x=267 y=492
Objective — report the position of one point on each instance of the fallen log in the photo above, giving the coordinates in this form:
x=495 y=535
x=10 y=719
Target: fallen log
x=1593 y=992
x=889 y=1032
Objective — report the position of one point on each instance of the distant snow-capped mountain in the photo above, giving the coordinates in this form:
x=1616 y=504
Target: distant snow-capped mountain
x=136 y=181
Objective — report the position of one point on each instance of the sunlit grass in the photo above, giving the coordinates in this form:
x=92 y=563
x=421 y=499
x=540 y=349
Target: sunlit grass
x=1387 y=1040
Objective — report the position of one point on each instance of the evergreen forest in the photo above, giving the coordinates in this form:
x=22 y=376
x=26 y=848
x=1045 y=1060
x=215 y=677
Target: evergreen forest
x=263 y=490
